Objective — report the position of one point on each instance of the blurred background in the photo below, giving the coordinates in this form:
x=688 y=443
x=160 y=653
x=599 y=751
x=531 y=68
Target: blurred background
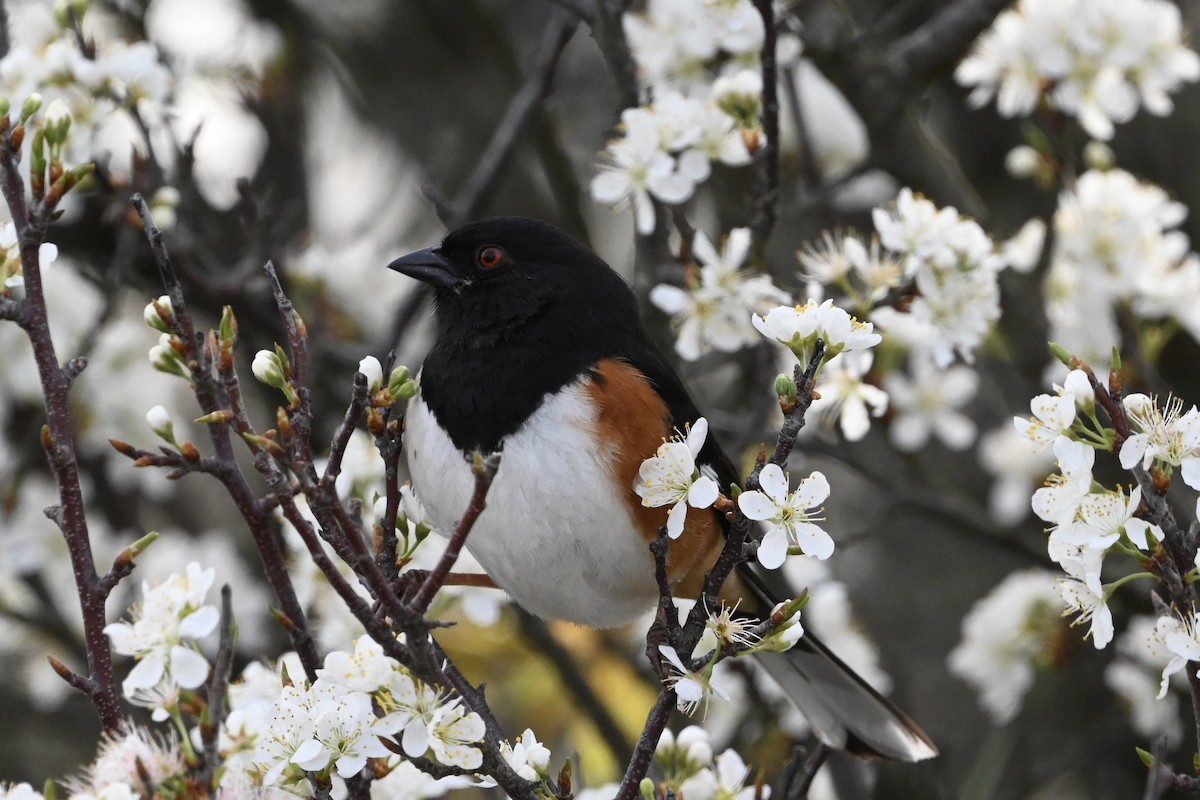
x=330 y=138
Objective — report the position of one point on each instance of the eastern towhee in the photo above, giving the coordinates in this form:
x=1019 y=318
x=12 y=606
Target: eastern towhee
x=540 y=353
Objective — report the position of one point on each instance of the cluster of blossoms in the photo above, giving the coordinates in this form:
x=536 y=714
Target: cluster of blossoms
x=699 y=63
x=1006 y=636
x=949 y=266
x=47 y=58
x=673 y=476
x=690 y=768
x=1117 y=246
x=280 y=730
x=695 y=685
x=1096 y=60
x=162 y=635
x=332 y=725
x=953 y=265
x=1015 y=629
x=714 y=312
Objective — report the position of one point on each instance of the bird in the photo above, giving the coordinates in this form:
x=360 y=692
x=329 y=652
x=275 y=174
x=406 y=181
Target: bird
x=539 y=352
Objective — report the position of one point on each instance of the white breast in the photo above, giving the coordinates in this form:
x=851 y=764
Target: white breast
x=555 y=534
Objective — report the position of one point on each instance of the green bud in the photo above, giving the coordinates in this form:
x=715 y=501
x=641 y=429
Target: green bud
x=1146 y=756
x=5 y=106
x=785 y=387
x=1099 y=156
x=405 y=391
x=646 y=787
x=398 y=378
x=1061 y=354
x=57 y=123
x=139 y=547
x=30 y=106
x=1116 y=359
x=37 y=153
x=49 y=788
x=227 y=330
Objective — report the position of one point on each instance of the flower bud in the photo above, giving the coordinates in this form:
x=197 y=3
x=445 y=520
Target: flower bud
x=268 y=368
x=159 y=320
x=646 y=787
x=371 y=368
x=398 y=378
x=785 y=388
x=57 y=123
x=227 y=330
x=31 y=106
x=165 y=358
x=160 y=422
x=1098 y=155
x=405 y=391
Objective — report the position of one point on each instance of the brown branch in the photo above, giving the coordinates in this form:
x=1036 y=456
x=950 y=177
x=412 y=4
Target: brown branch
x=218 y=688
x=58 y=436
x=485 y=472
x=213 y=395
x=656 y=722
x=733 y=553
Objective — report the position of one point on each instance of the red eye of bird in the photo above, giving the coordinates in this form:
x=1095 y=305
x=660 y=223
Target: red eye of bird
x=489 y=256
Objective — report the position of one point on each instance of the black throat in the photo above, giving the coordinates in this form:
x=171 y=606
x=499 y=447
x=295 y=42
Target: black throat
x=499 y=355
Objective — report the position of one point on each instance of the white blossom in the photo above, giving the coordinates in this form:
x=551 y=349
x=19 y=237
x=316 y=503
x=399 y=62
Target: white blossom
x=170 y=613
x=1003 y=636
x=671 y=477
x=792 y=516
x=846 y=398
x=1098 y=60
x=929 y=403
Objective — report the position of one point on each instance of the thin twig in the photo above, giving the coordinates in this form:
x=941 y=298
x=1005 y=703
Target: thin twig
x=58 y=436
x=799 y=782
x=525 y=104
x=215 y=396
x=766 y=176
x=217 y=690
x=485 y=472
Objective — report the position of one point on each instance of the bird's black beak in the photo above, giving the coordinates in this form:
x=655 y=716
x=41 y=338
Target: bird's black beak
x=427 y=265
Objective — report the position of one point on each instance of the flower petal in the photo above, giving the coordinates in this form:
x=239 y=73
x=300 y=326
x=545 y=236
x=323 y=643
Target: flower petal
x=773 y=482
x=756 y=506
x=772 y=550
x=703 y=492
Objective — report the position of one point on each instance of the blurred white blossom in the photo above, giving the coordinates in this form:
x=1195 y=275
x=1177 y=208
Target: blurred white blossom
x=1006 y=635
x=1097 y=60
x=929 y=404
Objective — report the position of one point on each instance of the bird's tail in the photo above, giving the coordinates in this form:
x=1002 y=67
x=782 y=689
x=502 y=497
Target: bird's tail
x=842 y=708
